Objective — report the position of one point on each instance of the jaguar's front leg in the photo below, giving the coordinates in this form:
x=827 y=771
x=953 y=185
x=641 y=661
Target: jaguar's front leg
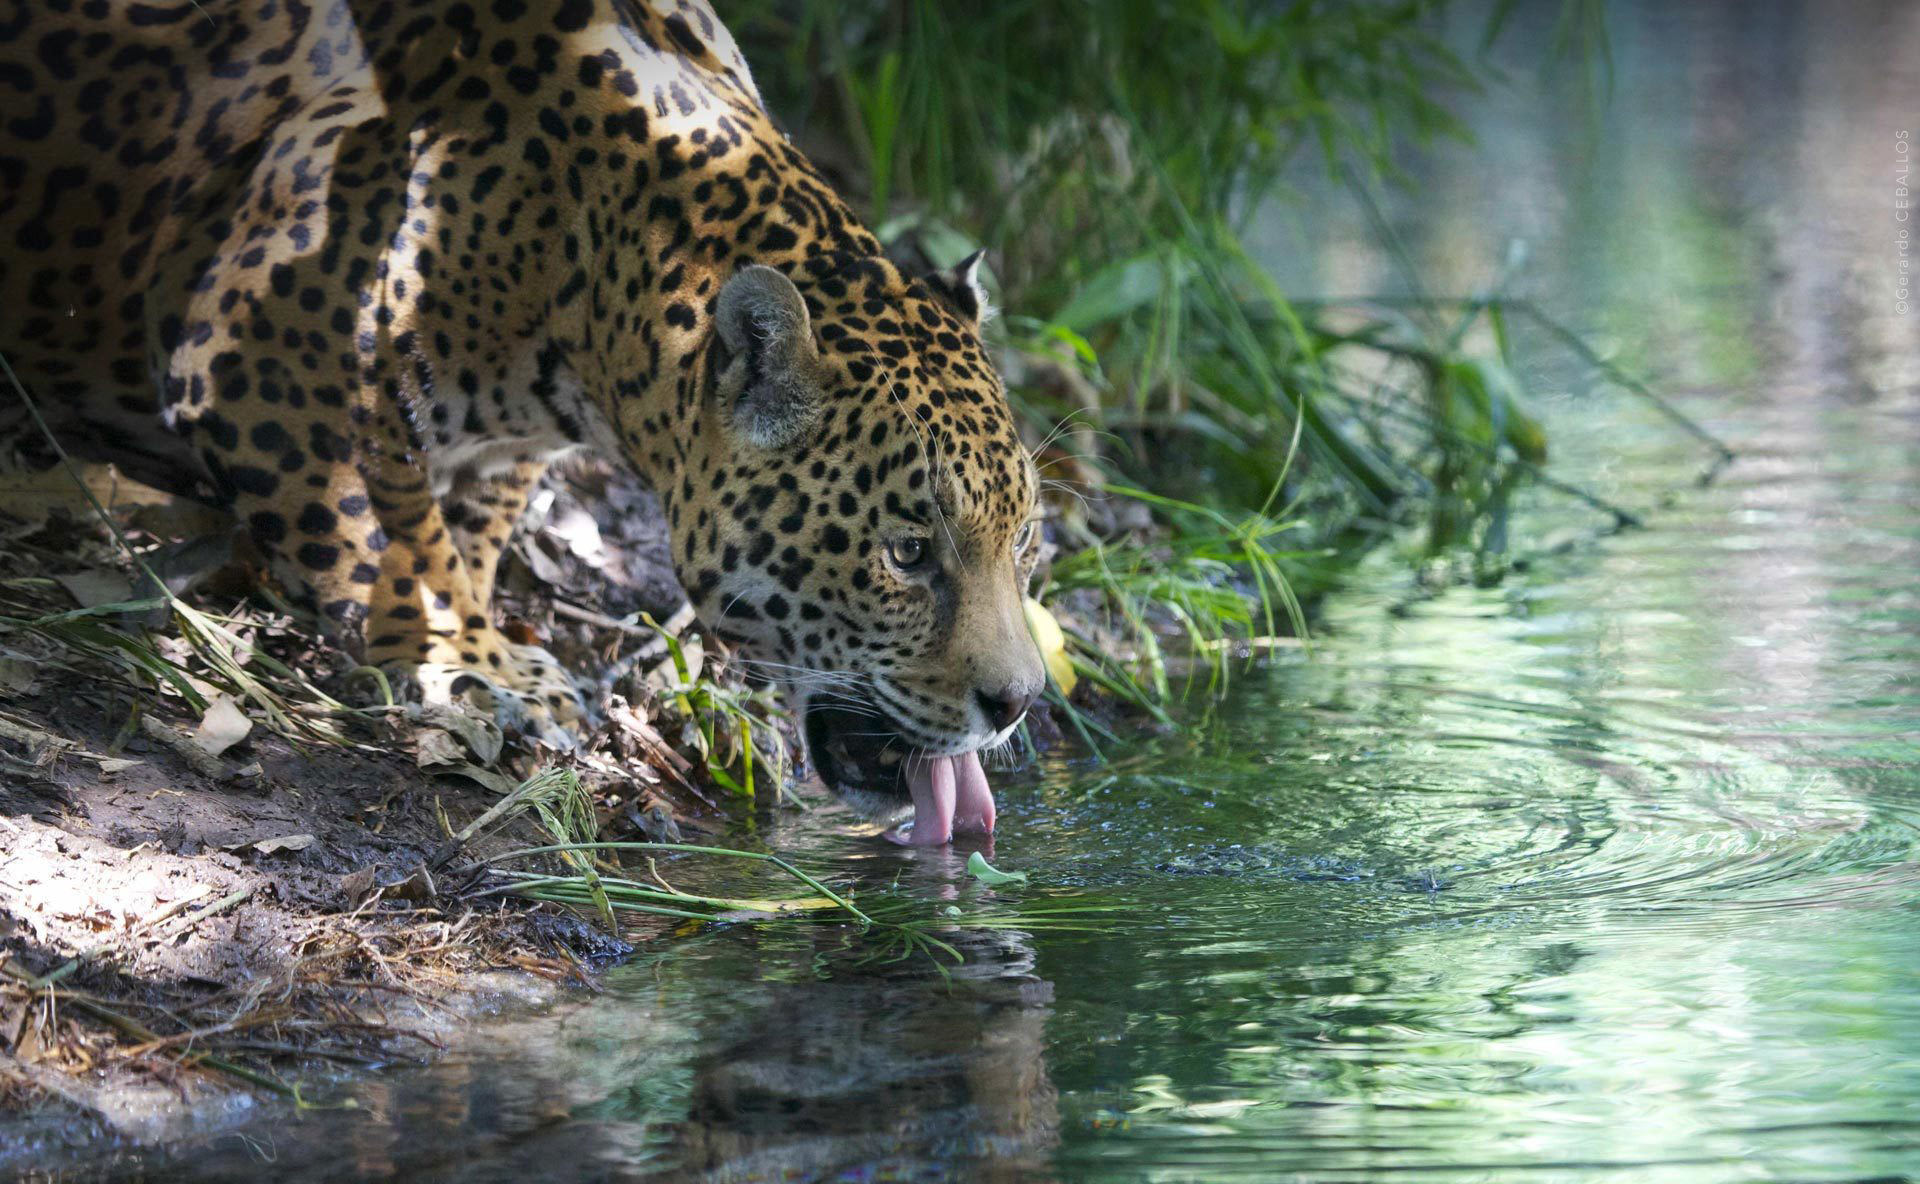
x=481 y=510
x=350 y=520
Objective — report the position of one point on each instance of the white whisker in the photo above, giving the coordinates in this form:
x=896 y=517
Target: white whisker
x=1089 y=457
x=1061 y=427
x=1067 y=488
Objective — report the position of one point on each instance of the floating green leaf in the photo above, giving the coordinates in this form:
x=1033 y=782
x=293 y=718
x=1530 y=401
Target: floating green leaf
x=986 y=873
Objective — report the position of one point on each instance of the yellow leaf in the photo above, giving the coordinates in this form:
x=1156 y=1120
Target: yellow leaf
x=1053 y=646
x=775 y=907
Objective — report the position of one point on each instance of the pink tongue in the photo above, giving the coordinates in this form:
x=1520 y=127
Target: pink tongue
x=950 y=796
x=973 y=797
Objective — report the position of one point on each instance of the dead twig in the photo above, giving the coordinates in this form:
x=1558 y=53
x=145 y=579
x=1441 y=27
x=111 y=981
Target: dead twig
x=145 y=924
x=198 y=759
x=217 y=907
x=674 y=624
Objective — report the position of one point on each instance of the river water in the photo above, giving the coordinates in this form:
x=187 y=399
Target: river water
x=1607 y=871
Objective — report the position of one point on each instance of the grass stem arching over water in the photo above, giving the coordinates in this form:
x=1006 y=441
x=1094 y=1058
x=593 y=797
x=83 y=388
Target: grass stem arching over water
x=893 y=923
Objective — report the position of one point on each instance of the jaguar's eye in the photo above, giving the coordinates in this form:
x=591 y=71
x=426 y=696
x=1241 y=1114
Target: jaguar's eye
x=908 y=553
x=1024 y=538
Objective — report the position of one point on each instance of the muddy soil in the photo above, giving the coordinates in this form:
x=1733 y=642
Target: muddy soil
x=282 y=921
x=290 y=910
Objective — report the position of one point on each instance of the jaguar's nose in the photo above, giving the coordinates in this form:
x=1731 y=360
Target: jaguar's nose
x=1003 y=708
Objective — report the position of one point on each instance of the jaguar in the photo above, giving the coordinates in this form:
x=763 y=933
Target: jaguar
x=361 y=270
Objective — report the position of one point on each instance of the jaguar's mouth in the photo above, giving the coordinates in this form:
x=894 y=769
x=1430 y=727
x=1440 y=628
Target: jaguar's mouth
x=860 y=754
x=863 y=757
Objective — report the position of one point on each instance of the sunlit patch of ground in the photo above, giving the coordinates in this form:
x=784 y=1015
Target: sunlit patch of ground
x=209 y=887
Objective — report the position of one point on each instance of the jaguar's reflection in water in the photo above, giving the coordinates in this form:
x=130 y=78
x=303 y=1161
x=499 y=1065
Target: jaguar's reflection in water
x=788 y=1052
x=882 y=1078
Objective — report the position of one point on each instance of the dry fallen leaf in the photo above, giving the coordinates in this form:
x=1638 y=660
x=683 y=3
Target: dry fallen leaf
x=96 y=587
x=356 y=886
x=480 y=734
x=499 y=783
x=17 y=675
x=275 y=846
x=431 y=746
x=28 y=496
x=417 y=886
x=223 y=726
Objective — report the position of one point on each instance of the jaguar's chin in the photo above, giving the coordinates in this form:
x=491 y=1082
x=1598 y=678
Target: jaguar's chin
x=864 y=759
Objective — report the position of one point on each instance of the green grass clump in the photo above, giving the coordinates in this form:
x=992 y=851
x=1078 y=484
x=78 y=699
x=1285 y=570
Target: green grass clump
x=732 y=727
x=1115 y=153
x=1215 y=579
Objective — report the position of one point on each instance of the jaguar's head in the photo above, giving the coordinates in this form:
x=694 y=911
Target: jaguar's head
x=861 y=520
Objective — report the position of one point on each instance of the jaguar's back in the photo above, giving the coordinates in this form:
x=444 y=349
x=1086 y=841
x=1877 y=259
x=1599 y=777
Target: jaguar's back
x=140 y=133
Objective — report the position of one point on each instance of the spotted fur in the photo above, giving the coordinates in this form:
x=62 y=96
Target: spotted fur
x=361 y=269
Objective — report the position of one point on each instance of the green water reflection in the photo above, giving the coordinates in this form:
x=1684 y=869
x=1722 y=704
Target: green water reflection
x=1609 y=872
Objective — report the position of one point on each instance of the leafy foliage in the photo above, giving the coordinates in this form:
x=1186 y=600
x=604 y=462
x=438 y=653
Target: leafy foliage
x=1115 y=151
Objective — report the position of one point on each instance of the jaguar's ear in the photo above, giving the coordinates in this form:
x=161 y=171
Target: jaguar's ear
x=960 y=286
x=771 y=376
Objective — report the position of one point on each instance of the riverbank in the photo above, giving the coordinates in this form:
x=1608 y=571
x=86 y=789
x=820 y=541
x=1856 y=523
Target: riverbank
x=181 y=948
x=221 y=887
x=212 y=891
